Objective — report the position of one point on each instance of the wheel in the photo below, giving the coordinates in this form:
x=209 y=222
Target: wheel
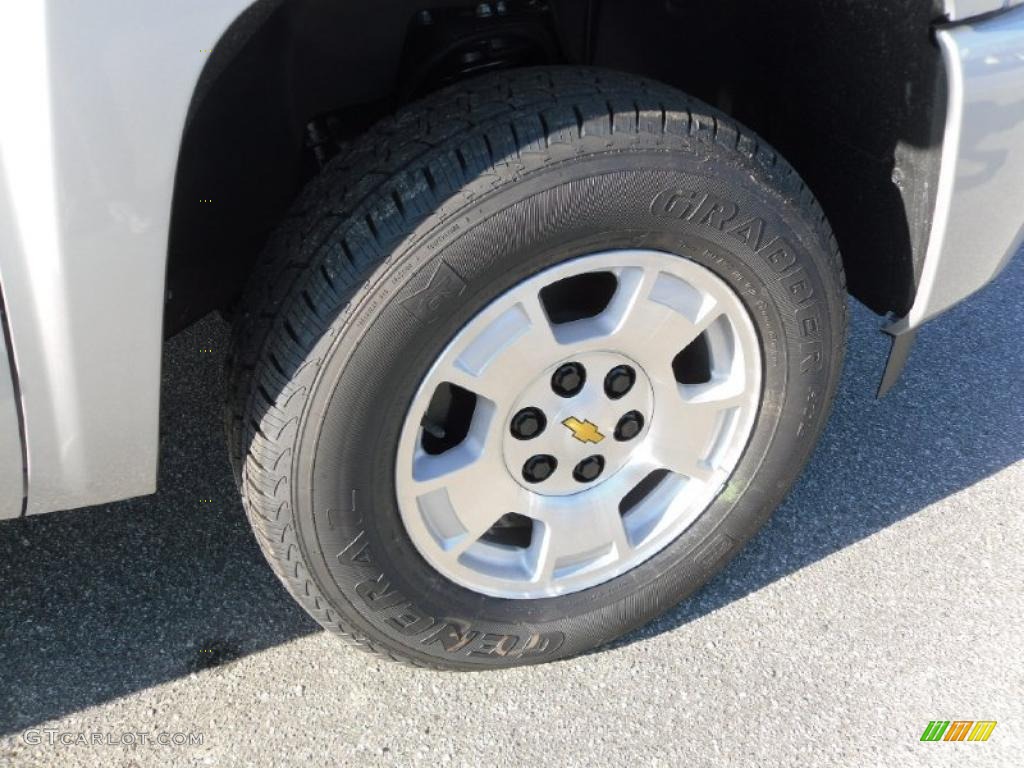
x=528 y=364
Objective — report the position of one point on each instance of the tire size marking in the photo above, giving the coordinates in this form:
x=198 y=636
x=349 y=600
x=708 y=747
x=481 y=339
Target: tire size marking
x=714 y=552
x=811 y=406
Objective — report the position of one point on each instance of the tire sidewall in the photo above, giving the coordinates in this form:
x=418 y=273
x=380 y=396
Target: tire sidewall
x=344 y=505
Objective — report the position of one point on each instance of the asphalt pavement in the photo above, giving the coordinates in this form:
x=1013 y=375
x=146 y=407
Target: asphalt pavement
x=885 y=593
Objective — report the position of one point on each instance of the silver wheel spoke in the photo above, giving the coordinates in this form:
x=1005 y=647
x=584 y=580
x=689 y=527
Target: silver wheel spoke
x=462 y=493
x=497 y=361
x=653 y=314
x=664 y=316
x=570 y=546
x=461 y=506
x=684 y=430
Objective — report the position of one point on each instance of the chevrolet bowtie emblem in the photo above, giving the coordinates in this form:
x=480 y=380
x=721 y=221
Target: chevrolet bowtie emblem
x=584 y=431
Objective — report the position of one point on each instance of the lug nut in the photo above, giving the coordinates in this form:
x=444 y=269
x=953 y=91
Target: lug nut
x=539 y=468
x=589 y=469
x=619 y=381
x=528 y=423
x=568 y=380
x=629 y=426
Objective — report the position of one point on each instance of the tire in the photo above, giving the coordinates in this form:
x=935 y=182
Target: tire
x=414 y=231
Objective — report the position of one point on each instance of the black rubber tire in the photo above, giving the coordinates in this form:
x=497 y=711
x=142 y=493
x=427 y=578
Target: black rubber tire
x=417 y=226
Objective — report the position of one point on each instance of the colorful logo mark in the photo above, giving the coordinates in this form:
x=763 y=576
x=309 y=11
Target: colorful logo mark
x=958 y=730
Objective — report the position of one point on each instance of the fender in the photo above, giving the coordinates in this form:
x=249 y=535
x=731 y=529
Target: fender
x=87 y=162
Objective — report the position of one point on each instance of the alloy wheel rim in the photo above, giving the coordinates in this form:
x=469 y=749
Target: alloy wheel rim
x=515 y=479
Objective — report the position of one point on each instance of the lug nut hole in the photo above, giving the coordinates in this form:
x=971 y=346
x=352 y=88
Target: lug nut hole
x=539 y=468
x=629 y=426
x=568 y=380
x=528 y=423
x=619 y=381
x=589 y=469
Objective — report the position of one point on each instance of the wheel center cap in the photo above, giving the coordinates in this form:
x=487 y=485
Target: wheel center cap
x=595 y=406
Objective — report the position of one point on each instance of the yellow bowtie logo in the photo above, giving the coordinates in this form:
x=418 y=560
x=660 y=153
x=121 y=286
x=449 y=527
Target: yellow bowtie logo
x=584 y=431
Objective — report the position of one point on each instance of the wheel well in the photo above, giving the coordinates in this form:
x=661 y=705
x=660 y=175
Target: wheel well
x=850 y=92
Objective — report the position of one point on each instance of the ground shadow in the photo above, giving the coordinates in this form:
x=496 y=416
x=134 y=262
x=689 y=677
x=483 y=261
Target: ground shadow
x=99 y=603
